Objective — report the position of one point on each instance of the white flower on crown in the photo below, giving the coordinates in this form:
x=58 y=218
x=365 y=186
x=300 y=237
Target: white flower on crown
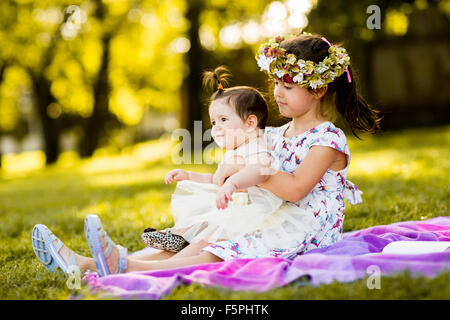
x=314 y=83
x=279 y=73
x=301 y=63
x=298 y=78
x=264 y=62
x=332 y=75
x=321 y=68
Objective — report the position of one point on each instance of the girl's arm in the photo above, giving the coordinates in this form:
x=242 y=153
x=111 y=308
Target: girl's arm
x=226 y=169
x=294 y=187
x=254 y=172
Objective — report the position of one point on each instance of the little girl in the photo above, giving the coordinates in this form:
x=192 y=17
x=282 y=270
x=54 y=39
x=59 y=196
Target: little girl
x=200 y=207
x=312 y=80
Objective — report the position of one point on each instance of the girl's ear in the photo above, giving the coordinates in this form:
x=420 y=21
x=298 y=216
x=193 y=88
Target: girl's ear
x=319 y=92
x=252 y=121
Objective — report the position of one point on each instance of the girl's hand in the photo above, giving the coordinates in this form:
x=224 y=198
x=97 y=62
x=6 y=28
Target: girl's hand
x=225 y=194
x=177 y=175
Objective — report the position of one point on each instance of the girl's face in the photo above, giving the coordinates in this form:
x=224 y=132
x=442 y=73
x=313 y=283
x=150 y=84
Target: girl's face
x=228 y=130
x=293 y=101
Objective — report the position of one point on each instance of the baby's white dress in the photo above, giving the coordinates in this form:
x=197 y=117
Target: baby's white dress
x=197 y=218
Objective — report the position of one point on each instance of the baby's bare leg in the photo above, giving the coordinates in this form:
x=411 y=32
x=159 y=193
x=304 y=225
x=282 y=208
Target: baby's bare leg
x=161 y=255
x=178 y=231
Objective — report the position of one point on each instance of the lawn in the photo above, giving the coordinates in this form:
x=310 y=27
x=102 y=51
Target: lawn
x=404 y=176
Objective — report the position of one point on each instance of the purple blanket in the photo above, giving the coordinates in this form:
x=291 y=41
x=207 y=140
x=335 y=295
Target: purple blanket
x=344 y=261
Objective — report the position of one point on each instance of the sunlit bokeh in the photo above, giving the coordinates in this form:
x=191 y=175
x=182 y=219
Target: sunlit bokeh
x=51 y=15
x=207 y=38
x=278 y=18
x=180 y=45
x=175 y=18
x=16 y=165
x=276 y=11
x=396 y=23
x=298 y=20
x=230 y=36
x=149 y=20
x=77 y=17
x=126 y=106
x=250 y=32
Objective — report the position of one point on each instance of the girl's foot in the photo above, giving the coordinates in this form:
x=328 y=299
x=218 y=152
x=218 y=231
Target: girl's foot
x=54 y=255
x=109 y=257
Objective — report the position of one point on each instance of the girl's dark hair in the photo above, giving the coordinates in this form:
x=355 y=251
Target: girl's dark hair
x=349 y=104
x=245 y=100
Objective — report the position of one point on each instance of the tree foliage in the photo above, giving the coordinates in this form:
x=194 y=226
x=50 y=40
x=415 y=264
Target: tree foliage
x=89 y=66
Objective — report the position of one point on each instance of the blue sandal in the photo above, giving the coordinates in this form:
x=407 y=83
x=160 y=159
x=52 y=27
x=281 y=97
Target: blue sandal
x=94 y=231
x=47 y=252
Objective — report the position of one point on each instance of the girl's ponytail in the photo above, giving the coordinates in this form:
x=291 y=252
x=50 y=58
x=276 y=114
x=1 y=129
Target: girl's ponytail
x=353 y=108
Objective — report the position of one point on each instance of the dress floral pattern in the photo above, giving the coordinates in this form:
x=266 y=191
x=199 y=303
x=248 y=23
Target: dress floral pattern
x=324 y=204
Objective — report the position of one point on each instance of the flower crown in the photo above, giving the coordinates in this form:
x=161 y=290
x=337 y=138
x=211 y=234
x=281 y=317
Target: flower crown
x=274 y=61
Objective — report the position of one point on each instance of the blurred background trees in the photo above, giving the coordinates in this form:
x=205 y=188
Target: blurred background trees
x=79 y=75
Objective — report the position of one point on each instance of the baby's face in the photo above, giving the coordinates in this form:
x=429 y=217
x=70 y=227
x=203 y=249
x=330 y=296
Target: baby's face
x=228 y=130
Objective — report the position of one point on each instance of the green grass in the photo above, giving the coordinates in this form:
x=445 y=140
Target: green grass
x=404 y=176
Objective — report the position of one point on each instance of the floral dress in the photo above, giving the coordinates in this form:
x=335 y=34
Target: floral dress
x=318 y=217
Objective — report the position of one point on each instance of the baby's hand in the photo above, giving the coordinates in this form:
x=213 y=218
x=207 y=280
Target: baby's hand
x=177 y=175
x=225 y=195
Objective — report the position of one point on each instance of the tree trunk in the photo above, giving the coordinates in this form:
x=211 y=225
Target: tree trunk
x=192 y=84
x=51 y=127
x=95 y=125
x=2 y=73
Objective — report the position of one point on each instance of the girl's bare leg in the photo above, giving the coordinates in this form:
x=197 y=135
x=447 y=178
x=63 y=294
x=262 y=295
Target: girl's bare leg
x=86 y=263
x=193 y=250
x=203 y=257
x=190 y=255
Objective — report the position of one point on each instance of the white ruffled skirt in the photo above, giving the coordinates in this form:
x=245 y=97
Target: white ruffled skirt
x=276 y=223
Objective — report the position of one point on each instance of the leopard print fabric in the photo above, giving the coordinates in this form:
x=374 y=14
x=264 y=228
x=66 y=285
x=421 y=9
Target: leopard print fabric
x=163 y=240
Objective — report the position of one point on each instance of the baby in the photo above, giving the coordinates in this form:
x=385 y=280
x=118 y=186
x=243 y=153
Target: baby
x=200 y=206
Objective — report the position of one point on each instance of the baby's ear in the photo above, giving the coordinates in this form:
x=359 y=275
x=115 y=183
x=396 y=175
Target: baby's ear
x=252 y=121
